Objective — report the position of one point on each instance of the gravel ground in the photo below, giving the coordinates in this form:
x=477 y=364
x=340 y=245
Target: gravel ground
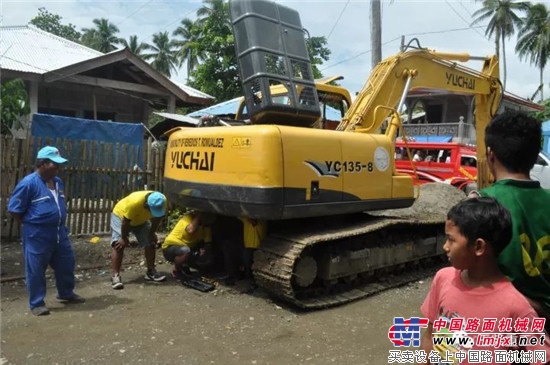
x=170 y=324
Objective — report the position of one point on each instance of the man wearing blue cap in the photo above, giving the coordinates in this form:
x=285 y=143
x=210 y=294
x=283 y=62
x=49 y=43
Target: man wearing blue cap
x=141 y=213
x=38 y=203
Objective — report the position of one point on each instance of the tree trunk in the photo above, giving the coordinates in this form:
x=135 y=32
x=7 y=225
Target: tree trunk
x=375 y=32
x=497 y=50
x=541 y=85
x=504 y=61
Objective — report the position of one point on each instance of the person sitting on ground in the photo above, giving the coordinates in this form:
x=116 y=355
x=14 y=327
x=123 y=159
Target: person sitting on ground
x=512 y=141
x=191 y=231
x=140 y=213
x=477 y=230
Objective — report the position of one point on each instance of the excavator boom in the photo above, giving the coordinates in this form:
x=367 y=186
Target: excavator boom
x=420 y=69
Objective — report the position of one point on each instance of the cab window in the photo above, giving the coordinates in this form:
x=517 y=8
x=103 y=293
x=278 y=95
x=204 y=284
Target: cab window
x=333 y=106
x=468 y=161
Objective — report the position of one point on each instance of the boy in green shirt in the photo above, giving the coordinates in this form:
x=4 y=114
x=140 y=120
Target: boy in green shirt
x=513 y=143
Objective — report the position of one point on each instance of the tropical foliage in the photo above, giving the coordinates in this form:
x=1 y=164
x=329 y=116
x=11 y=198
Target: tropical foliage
x=534 y=39
x=163 y=55
x=102 y=37
x=135 y=46
x=544 y=115
x=503 y=22
x=318 y=53
x=51 y=23
x=14 y=104
x=190 y=34
x=217 y=74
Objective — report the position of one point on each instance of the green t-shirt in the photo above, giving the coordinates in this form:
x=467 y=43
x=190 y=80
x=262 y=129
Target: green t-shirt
x=526 y=260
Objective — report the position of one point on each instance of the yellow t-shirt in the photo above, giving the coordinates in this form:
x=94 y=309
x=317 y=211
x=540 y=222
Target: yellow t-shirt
x=133 y=208
x=179 y=236
x=253 y=234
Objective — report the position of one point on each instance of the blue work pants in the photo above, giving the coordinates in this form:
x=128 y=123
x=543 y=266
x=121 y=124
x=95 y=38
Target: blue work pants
x=43 y=246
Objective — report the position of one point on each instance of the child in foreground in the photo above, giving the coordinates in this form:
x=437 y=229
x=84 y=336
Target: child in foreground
x=473 y=296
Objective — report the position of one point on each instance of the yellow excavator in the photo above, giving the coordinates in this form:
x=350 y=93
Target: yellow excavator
x=343 y=223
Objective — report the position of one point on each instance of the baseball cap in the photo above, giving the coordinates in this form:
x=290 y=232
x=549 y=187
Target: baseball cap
x=51 y=153
x=156 y=202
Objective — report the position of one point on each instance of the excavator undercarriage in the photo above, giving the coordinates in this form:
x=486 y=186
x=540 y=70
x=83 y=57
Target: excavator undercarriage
x=322 y=262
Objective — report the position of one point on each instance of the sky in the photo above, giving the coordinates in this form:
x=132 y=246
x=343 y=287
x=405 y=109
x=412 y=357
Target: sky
x=443 y=25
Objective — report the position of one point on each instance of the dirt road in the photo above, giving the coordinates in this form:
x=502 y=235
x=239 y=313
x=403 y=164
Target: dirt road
x=170 y=324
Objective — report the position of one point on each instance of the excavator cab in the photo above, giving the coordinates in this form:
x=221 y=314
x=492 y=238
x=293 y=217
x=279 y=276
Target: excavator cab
x=271 y=51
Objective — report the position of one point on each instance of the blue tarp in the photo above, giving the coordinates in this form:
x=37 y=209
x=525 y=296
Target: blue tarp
x=73 y=130
x=434 y=139
x=546 y=136
x=54 y=126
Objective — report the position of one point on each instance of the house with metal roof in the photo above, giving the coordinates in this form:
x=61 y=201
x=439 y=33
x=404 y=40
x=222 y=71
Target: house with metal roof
x=66 y=78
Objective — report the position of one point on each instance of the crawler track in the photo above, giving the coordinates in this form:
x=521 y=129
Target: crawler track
x=324 y=262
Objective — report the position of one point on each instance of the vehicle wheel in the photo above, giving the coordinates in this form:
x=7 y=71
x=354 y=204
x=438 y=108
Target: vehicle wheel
x=305 y=271
x=470 y=187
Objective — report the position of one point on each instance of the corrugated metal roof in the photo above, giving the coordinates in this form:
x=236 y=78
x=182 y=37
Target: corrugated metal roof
x=29 y=49
x=230 y=107
x=223 y=108
x=192 y=92
x=179 y=117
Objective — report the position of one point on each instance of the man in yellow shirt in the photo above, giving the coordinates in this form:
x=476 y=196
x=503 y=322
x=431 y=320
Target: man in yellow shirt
x=140 y=213
x=254 y=232
x=187 y=235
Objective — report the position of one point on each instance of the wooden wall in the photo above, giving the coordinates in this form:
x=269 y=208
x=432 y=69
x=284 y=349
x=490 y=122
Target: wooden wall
x=97 y=176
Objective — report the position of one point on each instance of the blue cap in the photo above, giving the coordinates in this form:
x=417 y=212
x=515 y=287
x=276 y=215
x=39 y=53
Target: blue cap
x=51 y=153
x=157 y=204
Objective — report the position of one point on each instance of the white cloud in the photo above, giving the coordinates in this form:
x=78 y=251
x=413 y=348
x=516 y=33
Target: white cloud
x=440 y=25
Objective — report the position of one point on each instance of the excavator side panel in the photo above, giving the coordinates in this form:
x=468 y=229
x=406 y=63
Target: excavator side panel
x=226 y=170
x=280 y=172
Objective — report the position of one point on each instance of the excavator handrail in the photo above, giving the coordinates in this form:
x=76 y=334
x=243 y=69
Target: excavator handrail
x=392 y=111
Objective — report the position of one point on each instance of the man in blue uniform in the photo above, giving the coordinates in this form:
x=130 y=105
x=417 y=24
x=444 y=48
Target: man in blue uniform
x=38 y=203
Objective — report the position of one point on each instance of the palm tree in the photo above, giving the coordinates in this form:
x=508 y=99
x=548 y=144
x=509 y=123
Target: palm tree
x=213 y=8
x=503 y=22
x=534 y=39
x=189 y=44
x=136 y=47
x=103 y=37
x=164 y=55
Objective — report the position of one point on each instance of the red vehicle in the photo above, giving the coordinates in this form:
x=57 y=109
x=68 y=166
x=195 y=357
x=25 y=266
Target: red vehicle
x=449 y=162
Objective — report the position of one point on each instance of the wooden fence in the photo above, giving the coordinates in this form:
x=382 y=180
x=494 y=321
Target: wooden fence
x=97 y=176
